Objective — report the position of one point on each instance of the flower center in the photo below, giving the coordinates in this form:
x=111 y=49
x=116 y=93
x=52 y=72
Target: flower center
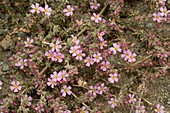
x=132 y=99
x=100 y=35
x=165 y=11
x=65 y=90
x=29 y=43
x=126 y=54
x=113 y=20
x=63 y=75
x=52 y=82
x=97 y=57
x=58 y=57
x=36 y=8
x=82 y=111
x=102 y=89
x=88 y=60
x=56 y=76
x=131 y=57
x=102 y=43
x=50 y=55
x=94 y=90
x=22 y=63
x=116 y=48
x=79 y=55
x=16 y=86
x=96 y=17
x=74 y=39
x=104 y=65
x=69 y=10
x=113 y=103
x=55 y=46
x=157 y=17
x=94 y=4
x=74 y=51
x=158 y=109
x=45 y=10
x=113 y=77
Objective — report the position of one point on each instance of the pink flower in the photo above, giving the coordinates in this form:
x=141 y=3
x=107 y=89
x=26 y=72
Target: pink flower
x=97 y=57
x=29 y=42
x=159 y=109
x=162 y=2
x=63 y=75
x=96 y=18
x=100 y=36
x=140 y=109
x=27 y=99
x=115 y=48
x=126 y=54
x=56 y=46
x=55 y=76
x=15 y=86
x=113 y=78
x=102 y=89
x=68 y=11
x=131 y=57
x=21 y=63
x=66 y=111
x=35 y=8
x=80 y=55
x=47 y=10
x=164 y=11
x=89 y=61
x=94 y=5
x=75 y=40
x=59 y=57
x=51 y=55
x=93 y=90
x=132 y=98
x=113 y=102
x=157 y=17
x=105 y=65
x=40 y=107
x=66 y=90
x=113 y=22
x=51 y=82
x=0 y=84
x=73 y=50
x=103 y=44
x=79 y=22
x=83 y=110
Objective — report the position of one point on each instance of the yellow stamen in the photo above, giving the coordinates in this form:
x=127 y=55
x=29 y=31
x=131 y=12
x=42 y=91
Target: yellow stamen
x=96 y=17
x=69 y=10
x=45 y=10
x=16 y=86
x=36 y=8
x=131 y=57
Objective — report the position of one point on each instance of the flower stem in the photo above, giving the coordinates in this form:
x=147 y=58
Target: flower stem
x=81 y=102
x=130 y=90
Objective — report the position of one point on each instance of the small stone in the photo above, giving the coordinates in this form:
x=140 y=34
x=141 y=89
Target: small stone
x=9 y=54
x=149 y=25
x=5 y=67
x=21 y=34
x=6 y=43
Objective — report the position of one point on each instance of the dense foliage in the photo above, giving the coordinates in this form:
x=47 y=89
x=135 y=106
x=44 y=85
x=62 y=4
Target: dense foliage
x=84 y=56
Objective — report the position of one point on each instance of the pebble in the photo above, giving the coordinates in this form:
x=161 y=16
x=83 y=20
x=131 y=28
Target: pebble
x=21 y=34
x=5 y=67
x=7 y=43
x=149 y=25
